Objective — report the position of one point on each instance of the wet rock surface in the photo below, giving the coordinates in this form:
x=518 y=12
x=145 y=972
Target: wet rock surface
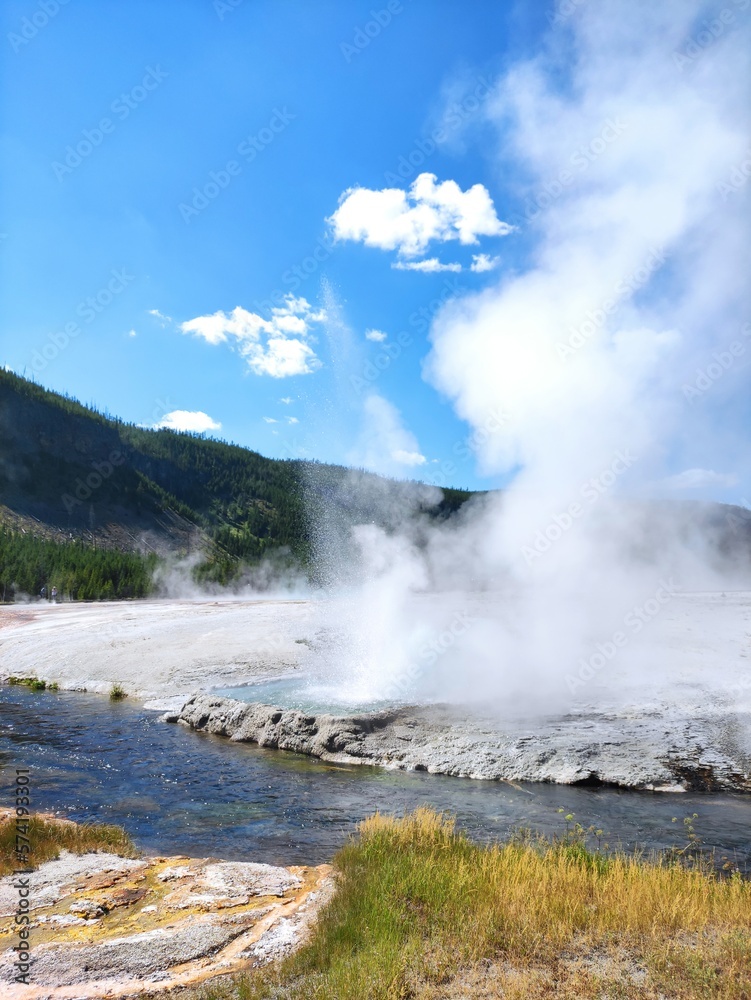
x=658 y=751
x=102 y=925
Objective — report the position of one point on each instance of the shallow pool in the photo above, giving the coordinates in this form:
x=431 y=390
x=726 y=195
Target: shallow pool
x=304 y=693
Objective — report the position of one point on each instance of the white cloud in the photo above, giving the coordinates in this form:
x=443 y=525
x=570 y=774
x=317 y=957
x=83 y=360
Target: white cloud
x=280 y=358
x=378 y=336
x=132 y=333
x=195 y=421
x=385 y=445
x=409 y=221
x=286 y=400
x=409 y=457
x=278 y=346
x=696 y=479
x=163 y=319
x=482 y=262
x=289 y=420
x=428 y=266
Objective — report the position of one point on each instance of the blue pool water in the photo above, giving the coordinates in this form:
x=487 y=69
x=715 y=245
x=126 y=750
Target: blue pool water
x=302 y=693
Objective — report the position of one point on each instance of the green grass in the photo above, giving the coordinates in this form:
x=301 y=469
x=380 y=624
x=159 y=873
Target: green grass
x=118 y=692
x=47 y=837
x=421 y=912
x=32 y=682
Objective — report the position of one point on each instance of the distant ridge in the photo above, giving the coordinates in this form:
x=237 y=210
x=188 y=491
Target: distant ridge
x=73 y=480
x=67 y=472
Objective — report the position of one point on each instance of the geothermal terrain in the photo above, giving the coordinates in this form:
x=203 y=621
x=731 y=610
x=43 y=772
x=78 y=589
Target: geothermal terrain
x=587 y=671
x=672 y=711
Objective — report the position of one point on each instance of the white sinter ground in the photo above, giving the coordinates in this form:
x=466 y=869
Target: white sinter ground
x=695 y=653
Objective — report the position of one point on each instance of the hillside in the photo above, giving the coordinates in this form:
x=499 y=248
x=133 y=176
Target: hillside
x=108 y=499
x=69 y=473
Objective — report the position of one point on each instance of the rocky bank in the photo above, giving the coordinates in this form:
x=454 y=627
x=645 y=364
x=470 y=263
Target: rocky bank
x=656 y=751
x=103 y=925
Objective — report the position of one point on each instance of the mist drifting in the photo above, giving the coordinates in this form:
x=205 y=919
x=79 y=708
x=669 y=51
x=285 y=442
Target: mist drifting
x=565 y=588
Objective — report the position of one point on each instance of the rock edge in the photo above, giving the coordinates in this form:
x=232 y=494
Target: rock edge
x=651 y=752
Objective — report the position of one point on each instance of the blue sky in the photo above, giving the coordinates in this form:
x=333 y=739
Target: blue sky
x=283 y=106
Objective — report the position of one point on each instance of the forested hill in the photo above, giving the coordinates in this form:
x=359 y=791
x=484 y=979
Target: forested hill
x=70 y=473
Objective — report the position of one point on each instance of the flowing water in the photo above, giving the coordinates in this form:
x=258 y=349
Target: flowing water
x=177 y=791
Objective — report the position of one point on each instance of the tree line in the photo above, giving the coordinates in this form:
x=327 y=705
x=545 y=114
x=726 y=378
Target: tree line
x=78 y=571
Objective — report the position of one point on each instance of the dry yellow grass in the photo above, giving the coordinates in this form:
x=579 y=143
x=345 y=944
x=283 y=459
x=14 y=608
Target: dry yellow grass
x=421 y=912
x=47 y=836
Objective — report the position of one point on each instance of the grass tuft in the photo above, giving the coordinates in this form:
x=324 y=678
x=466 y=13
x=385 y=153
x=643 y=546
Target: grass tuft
x=118 y=692
x=47 y=837
x=30 y=682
